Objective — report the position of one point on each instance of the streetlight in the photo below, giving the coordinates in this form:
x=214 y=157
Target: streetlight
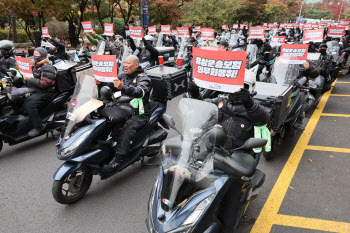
x=341 y=8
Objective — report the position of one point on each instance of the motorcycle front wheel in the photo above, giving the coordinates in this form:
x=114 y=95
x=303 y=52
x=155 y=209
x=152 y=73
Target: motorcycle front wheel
x=72 y=188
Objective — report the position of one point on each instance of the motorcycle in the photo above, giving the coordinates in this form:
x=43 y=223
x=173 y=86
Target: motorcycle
x=187 y=195
x=334 y=50
x=84 y=147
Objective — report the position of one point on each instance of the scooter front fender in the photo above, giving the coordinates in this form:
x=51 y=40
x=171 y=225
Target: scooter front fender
x=66 y=169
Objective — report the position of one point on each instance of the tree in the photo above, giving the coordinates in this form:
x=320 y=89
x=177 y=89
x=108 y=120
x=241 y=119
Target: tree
x=125 y=7
x=166 y=12
x=280 y=11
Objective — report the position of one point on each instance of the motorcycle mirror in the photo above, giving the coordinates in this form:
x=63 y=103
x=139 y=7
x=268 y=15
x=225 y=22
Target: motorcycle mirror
x=169 y=121
x=253 y=143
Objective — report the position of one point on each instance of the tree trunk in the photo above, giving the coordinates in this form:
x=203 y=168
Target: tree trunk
x=97 y=4
x=27 y=30
x=14 y=29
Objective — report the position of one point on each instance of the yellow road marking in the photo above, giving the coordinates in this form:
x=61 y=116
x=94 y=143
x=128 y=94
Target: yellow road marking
x=312 y=223
x=340 y=95
x=330 y=149
x=335 y=115
x=269 y=212
x=342 y=82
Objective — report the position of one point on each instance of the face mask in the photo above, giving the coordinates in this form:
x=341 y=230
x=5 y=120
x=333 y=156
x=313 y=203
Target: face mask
x=323 y=51
x=36 y=59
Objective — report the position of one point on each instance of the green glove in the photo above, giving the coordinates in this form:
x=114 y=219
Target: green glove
x=262 y=132
x=138 y=103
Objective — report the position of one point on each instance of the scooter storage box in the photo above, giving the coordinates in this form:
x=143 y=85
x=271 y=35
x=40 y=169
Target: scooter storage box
x=277 y=98
x=168 y=54
x=168 y=82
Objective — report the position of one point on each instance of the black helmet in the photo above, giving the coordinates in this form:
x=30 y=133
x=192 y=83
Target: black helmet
x=106 y=93
x=217 y=135
x=7 y=48
x=323 y=45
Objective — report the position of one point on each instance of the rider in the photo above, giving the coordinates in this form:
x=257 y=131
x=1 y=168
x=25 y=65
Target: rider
x=171 y=41
x=223 y=45
x=137 y=85
x=61 y=48
x=148 y=53
x=7 y=60
x=262 y=55
x=325 y=66
x=42 y=83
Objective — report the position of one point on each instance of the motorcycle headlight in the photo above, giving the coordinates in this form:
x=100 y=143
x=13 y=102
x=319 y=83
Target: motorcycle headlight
x=150 y=226
x=72 y=148
x=194 y=216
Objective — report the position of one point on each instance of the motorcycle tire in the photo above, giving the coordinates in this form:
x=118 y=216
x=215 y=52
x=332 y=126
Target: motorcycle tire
x=1 y=144
x=275 y=141
x=77 y=192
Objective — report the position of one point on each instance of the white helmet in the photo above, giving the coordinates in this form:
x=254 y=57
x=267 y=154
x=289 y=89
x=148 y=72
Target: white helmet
x=148 y=37
x=249 y=81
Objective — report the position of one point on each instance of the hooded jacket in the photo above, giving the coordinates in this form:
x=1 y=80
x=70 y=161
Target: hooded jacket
x=44 y=76
x=61 y=49
x=6 y=64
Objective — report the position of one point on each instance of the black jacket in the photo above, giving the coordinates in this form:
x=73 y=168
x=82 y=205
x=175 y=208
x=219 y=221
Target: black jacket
x=326 y=65
x=312 y=72
x=61 y=49
x=44 y=77
x=147 y=53
x=6 y=64
x=238 y=121
x=263 y=53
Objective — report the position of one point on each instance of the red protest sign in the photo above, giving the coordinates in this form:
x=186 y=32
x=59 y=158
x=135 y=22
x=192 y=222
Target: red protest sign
x=197 y=28
x=235 y=26
x=183 y=31
x=294 y=53
x=87 y=26
x=275 y=23
x=278 y=40
x=307 y=25
x=313 y=35
x=224 y=26
x=271 y=25
x=136 y=33
x=336 y=31
x=208 y=33
x=152 y=30
x=24 y=67
x=108 y=29
x=301 y=25
x=219 y=70
x=282 y=25
x=322 y=25
x=256 y=32
x=189 y=24
x=265 y=25
x=104 y=67
x=165 y=29
x=44 y=31
x=315 y=25
x=243 y=25
x=289 y=25
x=174 y=32
x=345 y=22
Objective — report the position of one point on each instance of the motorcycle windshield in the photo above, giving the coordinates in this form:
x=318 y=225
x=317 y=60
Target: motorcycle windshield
x=183 y=174
x=284 y=72
x=252 y=49
x=333 y=48
x=126 y=53
x=100 y=50
x=83 y=102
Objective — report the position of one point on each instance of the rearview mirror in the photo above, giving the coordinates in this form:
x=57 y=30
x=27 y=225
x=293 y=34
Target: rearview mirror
x=169 y=120
x=254 y=143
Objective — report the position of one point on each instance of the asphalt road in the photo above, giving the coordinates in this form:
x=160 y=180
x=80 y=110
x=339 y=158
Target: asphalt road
x=118 y=204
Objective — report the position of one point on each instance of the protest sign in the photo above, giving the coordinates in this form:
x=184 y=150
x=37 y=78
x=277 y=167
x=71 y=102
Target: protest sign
x=315 y=25
x=46 y=44
x=174 y=32
x=87 y=26
x=235 y=26
x=294 y=53
x=243 y=25
x=279 y=40
x=323 y=25
x=219 y=70
x=108 y=29
x=224 y=27
x=336 y=32
x=165 y=29
x=197 y=28
x=313 y=35
x=104 y=67
x=265 y=25
x=152 y=30
x=256 y=32
x=208 y=33
x=289 y=25
x=136 y=33
x=44 y=31
x=183 y=31
x=307 y=26
x=24 y=67
x=345 y=22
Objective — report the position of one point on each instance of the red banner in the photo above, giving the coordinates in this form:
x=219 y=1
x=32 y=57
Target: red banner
x=183 y=31
x=104 y=67
x=235 y=26
x=271 y=25
x=336 y=31
x=289 y=25
x=208 y=33
x=224 y=26
x=24 y=66
x=279 y=40
x=282 y=25
x=294 y=53
x=152 y=30
x=256 y=32
x=197 y=28
x=136 y=32
x=313 y=35
x=45 y=31
x=301 y=25
x=219 y=70
x=322 y=25
x=87 y=26
x=108 y=29
x=174 y=32
x=165 y=29
x=265 y=25
x=315 y=25
x=345 y=22
x=307 y=26
x=275 y=23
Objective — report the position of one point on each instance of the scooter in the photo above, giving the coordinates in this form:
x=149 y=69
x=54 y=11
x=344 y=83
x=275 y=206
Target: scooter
x=84 y=147
x=315 y=92
x=188 y=193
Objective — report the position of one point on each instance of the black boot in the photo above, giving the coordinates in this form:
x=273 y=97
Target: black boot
x=114 y=163
x=36 y=131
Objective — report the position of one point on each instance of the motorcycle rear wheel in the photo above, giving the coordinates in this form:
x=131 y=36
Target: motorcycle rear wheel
x=68 y=191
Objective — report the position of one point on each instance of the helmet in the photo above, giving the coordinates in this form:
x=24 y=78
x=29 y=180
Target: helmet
x=148 y=37
x=217 y=135
x=323 y=45
x=7 y=48
x=106 y=93
x=249 y=81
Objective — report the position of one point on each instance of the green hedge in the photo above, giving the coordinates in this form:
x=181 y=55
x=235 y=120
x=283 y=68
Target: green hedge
x=21 y=35
x=118 y=24
x=21 y=45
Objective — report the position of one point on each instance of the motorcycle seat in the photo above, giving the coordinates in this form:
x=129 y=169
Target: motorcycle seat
x=238 y=164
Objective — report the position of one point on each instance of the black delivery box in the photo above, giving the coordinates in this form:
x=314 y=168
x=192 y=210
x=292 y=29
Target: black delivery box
x=168 y=82
x=168 y=54
x=277 y=99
